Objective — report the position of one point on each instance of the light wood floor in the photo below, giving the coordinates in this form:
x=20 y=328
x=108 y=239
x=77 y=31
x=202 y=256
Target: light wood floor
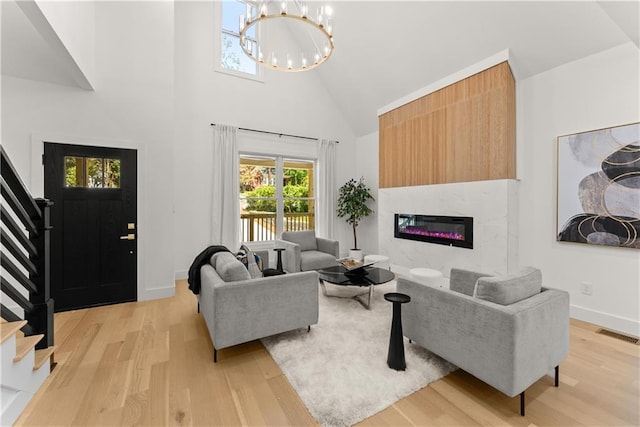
x=151 y=363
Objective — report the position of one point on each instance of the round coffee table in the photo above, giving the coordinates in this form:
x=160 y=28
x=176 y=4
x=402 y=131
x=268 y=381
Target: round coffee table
x=363 y=277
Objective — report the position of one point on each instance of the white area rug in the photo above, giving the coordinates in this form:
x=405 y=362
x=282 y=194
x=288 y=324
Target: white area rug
x=339 y=369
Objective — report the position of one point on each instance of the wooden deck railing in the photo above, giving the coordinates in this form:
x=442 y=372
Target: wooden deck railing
x=25 y=276
x=257 y=226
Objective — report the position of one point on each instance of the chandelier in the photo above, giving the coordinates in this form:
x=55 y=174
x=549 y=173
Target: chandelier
x=296 y=38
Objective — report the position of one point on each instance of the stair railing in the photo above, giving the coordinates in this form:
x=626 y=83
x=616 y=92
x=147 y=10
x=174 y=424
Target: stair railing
x=26 y=273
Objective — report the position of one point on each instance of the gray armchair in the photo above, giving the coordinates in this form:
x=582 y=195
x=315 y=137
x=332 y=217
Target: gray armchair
x=306 y=252
x=508 y=331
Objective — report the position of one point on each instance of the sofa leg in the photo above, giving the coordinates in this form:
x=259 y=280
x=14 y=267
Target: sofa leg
x=308 y=328
x=215 y=355
x=557 y=380
x=198 y=306
x=522 y=404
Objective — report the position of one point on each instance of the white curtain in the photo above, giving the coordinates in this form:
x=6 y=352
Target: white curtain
x=225 y=210
x=326 y=206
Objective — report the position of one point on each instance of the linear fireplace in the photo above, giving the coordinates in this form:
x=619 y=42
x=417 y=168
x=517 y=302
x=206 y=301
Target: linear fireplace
x=443 y=230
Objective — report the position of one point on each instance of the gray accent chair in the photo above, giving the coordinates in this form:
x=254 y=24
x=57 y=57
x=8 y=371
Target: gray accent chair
x=508 y=331
x=306 y=252
x=239 y=309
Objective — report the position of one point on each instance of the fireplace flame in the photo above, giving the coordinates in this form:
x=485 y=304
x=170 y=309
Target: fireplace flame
x=428 y=233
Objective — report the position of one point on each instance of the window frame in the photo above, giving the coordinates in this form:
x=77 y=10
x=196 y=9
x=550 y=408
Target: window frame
x=217 y=40
x=85 y=178
x=280 y=161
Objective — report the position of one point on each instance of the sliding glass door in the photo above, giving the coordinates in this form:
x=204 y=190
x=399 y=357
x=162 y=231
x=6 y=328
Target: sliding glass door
x=276 y=194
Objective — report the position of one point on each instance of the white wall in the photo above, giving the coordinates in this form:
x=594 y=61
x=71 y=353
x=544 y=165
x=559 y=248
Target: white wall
x=591 y=93
x=1 y=78
x=132 y=106
x=367 y=167
x=74 y=23
x=294 y=103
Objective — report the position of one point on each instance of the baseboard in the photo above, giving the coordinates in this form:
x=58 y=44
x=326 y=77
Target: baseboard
x=157 y=293
x=616 y=323
x=181 y=275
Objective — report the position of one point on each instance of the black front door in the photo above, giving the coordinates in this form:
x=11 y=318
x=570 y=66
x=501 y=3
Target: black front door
x=93 y=240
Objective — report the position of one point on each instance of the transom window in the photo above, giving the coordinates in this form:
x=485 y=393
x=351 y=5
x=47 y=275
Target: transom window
x=276 y=194
x=91 y=172
x=232 y=59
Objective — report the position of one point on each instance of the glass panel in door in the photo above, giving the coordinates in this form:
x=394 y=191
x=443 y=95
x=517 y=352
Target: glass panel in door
x=298 y=194
x=257 y=198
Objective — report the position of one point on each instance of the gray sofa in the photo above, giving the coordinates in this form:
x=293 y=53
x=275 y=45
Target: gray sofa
x=238 y=308
x=306 y=252
x=508 y=331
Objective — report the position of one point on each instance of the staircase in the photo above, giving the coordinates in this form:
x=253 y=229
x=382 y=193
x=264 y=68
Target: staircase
x=24 y=369
x=26 y=307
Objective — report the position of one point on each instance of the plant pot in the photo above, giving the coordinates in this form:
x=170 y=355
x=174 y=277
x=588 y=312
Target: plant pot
x=355 y=254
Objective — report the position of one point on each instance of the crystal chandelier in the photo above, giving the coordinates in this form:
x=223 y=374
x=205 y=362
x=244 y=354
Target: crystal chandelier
x=297 y=38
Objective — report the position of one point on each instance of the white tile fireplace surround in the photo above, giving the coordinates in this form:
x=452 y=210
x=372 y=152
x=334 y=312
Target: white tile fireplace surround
x=493 y=206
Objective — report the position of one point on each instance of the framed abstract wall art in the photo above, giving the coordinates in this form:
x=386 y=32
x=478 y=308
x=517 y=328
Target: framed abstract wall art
x=599 y=187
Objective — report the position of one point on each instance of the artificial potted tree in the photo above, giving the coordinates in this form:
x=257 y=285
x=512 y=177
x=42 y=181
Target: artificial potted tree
x=352 y=205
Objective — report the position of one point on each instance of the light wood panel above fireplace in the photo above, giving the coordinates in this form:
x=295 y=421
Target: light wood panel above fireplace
x=463 y=132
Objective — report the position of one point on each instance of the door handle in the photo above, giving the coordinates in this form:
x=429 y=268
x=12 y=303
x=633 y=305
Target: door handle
x=129 y=236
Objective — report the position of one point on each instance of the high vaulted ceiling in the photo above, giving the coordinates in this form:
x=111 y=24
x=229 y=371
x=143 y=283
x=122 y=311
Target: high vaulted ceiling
x=387 y=50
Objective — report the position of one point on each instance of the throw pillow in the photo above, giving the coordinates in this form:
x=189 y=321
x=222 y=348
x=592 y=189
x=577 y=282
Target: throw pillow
x=511 y=288
x=252 y=262
x=213 y=259
x=464 y=281
x=229 y=268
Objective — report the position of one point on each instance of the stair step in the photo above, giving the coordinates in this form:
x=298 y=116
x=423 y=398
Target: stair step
x=9 y=328
x=42 y=356
x=24 y=345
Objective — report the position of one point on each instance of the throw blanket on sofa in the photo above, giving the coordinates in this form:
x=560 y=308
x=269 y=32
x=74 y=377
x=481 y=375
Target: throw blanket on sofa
x=202 y=258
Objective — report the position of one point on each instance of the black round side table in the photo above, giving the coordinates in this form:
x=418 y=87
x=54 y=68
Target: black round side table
x=279 y=252
x=395 y=358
